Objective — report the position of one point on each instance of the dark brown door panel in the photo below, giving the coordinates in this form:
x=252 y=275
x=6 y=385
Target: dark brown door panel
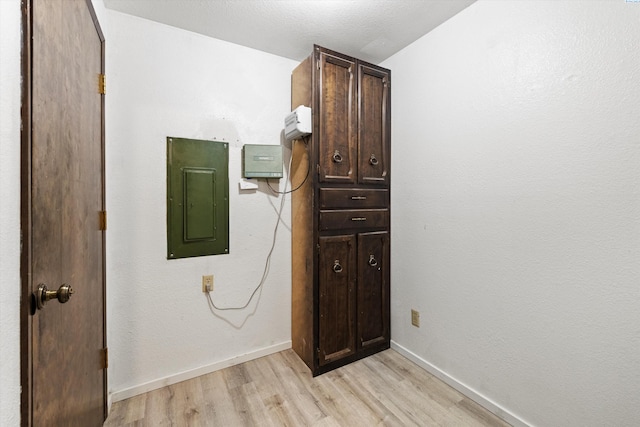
x=373 y=125
x=337 y=124
x=63 y=221
x=373 y=288
x=337 y=301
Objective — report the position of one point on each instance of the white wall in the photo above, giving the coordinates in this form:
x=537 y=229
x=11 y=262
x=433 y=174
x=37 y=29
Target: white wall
x=163 y=81
x=10 y=42
x=516 y=207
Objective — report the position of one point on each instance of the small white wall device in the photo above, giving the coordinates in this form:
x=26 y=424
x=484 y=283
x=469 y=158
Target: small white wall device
x=297 y=123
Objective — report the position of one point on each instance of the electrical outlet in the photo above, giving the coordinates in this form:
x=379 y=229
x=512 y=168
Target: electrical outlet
x=415 y=318
x=207 y=283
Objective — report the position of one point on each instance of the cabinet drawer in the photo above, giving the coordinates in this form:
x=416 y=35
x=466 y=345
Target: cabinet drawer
x=345 y=219
x=339 y=198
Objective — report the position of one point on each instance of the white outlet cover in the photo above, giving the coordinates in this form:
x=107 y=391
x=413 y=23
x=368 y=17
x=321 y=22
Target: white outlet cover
x=248 y=184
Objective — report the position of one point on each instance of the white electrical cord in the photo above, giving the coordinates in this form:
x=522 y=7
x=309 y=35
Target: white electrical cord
x=265 y=273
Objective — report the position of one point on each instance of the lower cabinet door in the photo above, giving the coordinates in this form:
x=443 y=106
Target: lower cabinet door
x=373 y=288
x=337 y=299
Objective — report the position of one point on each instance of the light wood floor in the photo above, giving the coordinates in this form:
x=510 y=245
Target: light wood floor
x=278 y=390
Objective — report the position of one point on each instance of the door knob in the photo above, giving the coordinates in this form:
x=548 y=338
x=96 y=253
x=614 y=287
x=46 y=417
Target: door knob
x=43 y=294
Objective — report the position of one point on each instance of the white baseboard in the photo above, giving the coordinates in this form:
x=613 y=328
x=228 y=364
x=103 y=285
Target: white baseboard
x=109 y=402
x=485 y=402
x=119 y=395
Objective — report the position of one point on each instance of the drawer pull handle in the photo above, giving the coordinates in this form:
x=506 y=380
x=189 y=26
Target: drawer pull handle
x=373 y=160
x=372 y=261
x=337 y=268
x=337 y=157
x=359 y=218
x=358 y=197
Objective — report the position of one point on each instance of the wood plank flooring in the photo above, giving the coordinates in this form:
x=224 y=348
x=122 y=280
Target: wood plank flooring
x=385 y=389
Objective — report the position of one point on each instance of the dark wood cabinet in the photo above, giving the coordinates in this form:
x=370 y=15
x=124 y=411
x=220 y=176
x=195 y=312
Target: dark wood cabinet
x=340 y=213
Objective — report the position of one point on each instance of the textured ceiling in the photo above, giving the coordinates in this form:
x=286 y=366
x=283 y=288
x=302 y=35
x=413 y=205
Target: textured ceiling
x=371 y=30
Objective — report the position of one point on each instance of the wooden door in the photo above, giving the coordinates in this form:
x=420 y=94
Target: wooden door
x=373 y=288
x=64 y=375
x=337 y=300
x=374 y=121
x=337 y=131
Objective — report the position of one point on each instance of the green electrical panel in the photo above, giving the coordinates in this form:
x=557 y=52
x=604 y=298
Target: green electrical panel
x=197 y=197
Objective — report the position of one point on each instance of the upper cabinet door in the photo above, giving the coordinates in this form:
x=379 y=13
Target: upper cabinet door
x=374 y=135
x=337 y=119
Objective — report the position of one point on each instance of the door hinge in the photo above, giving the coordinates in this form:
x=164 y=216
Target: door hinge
x=102 y=220
x=102 y=84
x=104 y=358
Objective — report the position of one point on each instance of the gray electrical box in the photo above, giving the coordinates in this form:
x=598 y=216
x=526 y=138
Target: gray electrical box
x=262 y=161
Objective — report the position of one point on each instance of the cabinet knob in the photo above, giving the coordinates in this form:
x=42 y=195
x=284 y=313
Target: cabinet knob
x=337 y=268
x=373 y=160
x=372 y=261
x=337 y=157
